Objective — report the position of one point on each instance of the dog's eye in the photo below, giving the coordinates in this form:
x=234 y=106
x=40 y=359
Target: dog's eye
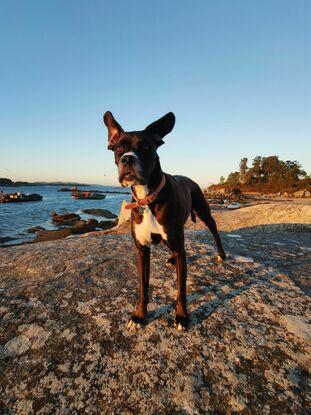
x=119 y=149
x=145 y=147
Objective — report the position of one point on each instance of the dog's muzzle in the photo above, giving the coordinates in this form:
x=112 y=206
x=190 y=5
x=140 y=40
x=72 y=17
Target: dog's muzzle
x=129 y=171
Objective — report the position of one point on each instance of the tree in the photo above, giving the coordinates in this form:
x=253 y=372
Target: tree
x=257 y=167
x=222 y=180
x=233 y=179
x=269 y=174
x=243 y=170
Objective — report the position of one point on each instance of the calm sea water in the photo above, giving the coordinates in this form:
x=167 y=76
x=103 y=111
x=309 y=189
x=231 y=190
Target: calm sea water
x=16 y=218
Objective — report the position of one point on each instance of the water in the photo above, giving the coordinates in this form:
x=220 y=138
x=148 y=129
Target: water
x=16 y=218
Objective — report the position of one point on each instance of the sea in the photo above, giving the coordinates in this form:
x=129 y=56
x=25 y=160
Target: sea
x=17 y=218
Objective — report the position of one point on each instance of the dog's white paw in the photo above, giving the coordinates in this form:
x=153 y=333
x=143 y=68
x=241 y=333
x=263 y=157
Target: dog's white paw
x=219 y=258
x=180 y=326
x=132 y=326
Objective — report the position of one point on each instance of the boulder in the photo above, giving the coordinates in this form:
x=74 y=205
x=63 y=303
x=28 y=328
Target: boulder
x=43 y=236
x=4 y=239
x=64 y=189
x=35 y=229
x=124 y=215
x=233 y=206
x=107 y=224
x=84 y=226
x=79 y=227
x=66 y=219
x=92 y=222
x=100 y=212
x=299 y=193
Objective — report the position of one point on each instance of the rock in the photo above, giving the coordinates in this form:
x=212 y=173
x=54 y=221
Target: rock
x=100 y=212
x=5 y=239
x=124 y=215
x=84 y=226
x=243 y=259
x=66 y=350
x=64 y=189
x=233 y=206
x=107 y=224
x=233 y=235
x=33 y=337
x=17 y=345
x=52 y=235
x=43 y=236
x=298 y=326
x=92 y=222
x=79 y=227
x=299 y=193
x=267 y=216
x=307 y=193
x=35 y=229
x=67 y=219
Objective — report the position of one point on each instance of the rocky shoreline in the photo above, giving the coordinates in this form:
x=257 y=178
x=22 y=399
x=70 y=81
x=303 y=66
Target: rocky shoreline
x=65 y=348
x=246 y=214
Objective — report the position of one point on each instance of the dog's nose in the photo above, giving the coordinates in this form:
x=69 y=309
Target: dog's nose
x=127 y=159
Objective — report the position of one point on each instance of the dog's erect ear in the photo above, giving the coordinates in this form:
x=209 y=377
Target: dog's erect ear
x=161 y=127
x=114 y=129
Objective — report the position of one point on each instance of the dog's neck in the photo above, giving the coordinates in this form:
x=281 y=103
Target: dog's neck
x=154 y=181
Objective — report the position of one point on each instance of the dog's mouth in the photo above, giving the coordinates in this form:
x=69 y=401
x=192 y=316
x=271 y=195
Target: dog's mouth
x=130 y=179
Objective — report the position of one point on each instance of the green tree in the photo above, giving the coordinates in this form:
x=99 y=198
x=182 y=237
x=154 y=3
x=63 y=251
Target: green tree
x=243 y=170
x=233 y=179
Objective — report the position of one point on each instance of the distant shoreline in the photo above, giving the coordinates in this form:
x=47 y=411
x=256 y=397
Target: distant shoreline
x=9 y=183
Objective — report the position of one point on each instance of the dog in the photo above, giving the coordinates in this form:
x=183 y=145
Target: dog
x=161 y=205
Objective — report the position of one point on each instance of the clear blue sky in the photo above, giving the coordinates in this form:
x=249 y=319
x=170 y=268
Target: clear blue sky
x=237 y=75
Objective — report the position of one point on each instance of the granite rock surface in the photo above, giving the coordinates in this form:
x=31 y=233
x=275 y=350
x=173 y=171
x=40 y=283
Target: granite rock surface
x=65 y=348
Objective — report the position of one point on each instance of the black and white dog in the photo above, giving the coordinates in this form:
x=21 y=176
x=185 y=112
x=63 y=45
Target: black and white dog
x=161 y=204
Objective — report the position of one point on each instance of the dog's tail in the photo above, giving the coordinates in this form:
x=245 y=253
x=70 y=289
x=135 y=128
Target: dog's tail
x=193 y=217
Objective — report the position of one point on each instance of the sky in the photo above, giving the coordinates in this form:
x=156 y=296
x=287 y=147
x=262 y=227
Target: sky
x=236 y=74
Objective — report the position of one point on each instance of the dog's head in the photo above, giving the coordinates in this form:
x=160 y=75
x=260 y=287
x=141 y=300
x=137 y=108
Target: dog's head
x=135 y=152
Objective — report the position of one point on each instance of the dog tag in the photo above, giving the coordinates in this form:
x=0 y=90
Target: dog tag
x=141 y=210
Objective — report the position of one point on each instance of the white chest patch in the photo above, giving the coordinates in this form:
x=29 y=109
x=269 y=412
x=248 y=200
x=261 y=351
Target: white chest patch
x=148 y=226
x=149 y=223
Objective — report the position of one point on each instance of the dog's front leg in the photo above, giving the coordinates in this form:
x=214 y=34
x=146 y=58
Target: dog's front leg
x=143 y=267
x=181 y=318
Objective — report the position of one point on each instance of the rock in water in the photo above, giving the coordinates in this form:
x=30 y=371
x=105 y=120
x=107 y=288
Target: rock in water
x=100 y=212
x=66 y=219
x=35 y=229
x=4 y=239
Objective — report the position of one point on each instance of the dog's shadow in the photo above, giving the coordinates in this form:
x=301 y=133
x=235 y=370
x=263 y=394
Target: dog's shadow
x=200 y=313
x=211 y=297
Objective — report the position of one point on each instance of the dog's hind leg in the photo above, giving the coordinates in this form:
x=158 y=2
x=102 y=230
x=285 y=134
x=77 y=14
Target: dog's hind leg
x=202 y=209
